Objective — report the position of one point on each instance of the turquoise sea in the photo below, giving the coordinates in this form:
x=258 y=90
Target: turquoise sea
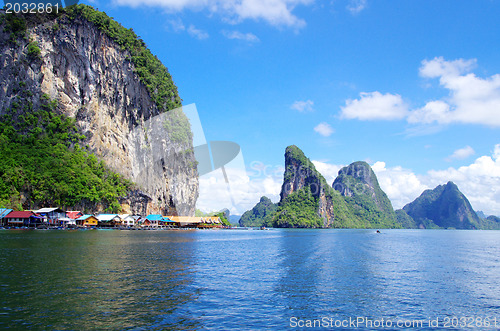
x=249 y=279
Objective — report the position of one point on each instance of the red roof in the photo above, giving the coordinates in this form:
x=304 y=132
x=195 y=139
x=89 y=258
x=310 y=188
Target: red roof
x=20 y=214
x=74 y=214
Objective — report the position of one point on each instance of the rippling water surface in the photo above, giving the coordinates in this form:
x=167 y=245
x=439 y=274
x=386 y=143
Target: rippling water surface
x=242 y=279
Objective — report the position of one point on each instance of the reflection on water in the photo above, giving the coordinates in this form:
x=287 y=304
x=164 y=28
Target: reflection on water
x=242 y=279
x=94 y=279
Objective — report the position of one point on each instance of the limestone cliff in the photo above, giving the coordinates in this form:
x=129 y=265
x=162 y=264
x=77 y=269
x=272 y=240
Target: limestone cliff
x=444 y=207
x=307 y=200
x=359 y=185
x=96 y=81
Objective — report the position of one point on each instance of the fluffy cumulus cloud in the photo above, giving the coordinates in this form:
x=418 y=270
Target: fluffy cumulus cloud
x=439 y=67
x=470 y=99
x=401 y=185
x=303 y=106
x=242 y=190
x=461 y=153
x=479 y=181
x=249 y=37
x=274 y=12
x=434 y=111
x=324 y=129
x=375 y=106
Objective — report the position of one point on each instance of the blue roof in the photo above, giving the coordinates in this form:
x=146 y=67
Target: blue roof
x=4 y=212
x=154 y=217
x=83 y=218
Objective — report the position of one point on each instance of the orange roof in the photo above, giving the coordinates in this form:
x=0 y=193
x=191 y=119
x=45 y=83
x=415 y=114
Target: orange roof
x=185 y=219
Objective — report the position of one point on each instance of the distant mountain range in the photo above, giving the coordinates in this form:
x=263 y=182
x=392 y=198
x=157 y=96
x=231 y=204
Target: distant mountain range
x=355 y=200
x=444 y=207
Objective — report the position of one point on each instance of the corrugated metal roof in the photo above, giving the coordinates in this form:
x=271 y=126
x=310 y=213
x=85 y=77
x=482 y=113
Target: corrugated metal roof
x=74 y=214
x=154 y=217
x=186 y=219
x=106 y=217
x=20 y=214
x=4 y=212
x=84 y=217
x=48 y=210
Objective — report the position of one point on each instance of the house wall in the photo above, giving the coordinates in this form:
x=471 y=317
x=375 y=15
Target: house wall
x=90 y=222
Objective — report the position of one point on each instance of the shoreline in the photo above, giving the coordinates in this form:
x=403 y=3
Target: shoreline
x=104 y=228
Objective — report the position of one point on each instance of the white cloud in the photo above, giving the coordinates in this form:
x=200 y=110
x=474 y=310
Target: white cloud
x=329 y=171
x=375 y=106
x=401 y=185
x=439 y=67
x=461 y=153
x=197 y=33
x=324 y=129
x=472 y=99
x=479 y=181
x=356 y=6
x=244 y=190
x=433 y=111
x=274 y=12
x=250 y=37
x=303 y=106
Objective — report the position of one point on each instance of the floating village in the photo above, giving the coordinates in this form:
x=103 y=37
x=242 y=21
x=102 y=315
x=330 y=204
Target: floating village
x=56 y=218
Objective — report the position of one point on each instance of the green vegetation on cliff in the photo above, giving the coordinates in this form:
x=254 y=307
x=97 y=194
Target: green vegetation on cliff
x=361 y=190
x=357 y=201
x=405 y=220
x=490 y=223
x=261 y=214
x=42 y=164
x=306 y=198
x=443 y=207
x=298 y=210
x=41 y=160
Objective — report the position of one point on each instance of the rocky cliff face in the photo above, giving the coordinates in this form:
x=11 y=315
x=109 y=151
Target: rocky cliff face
x=445 y=207
x=306 y=199
x=359 y=185
x=94 y=81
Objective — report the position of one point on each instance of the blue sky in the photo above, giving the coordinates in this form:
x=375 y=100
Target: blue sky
x=412 y=87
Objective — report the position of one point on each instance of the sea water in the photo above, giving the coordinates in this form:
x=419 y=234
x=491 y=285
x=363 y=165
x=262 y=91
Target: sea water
x=249 y=279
